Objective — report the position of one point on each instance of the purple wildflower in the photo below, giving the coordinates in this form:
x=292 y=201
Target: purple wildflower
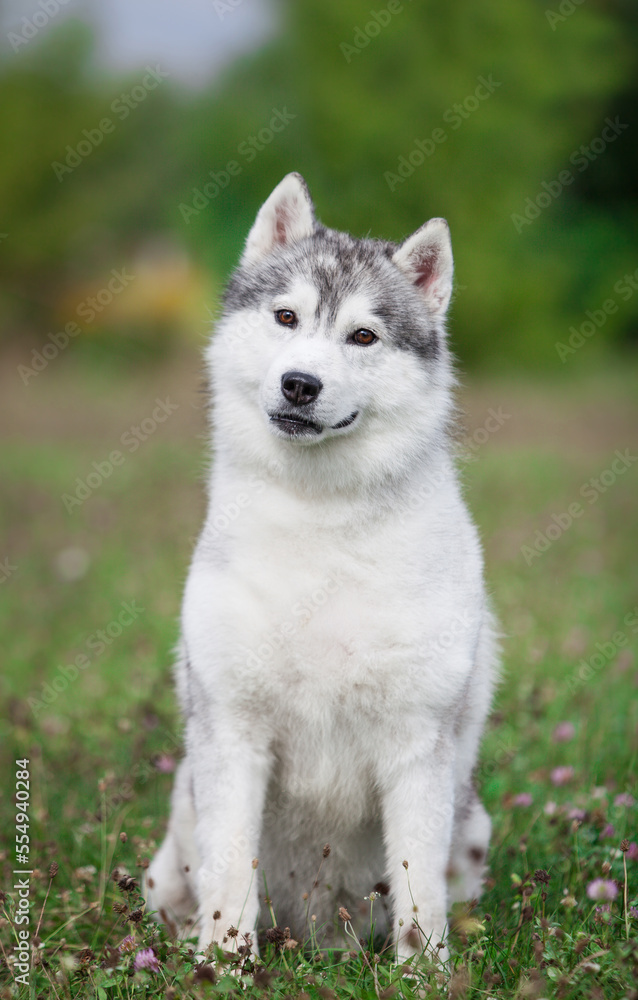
x=147 y=959
x=522 y=799
x=624 y=799
x=165 y=764
x=561 y=775
x=602 y=913
x=602 y=889
x=632 y=851
x=563 y=732
x=608 y=831
x=576 y=814
x=127 y=943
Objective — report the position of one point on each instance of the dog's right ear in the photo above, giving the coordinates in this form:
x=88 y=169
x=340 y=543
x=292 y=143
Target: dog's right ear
x=285 y=217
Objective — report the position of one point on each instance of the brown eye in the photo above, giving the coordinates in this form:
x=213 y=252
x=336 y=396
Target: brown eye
x=286 y=317
x=363 y=337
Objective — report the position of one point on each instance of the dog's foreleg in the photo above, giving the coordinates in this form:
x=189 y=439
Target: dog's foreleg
x=418 y=813
x=230 y=775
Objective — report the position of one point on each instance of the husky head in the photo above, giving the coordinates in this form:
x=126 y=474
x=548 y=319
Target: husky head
x=330 y=359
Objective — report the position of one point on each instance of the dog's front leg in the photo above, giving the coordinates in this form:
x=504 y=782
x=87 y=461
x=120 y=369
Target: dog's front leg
x=230 y=774
x=418 y=810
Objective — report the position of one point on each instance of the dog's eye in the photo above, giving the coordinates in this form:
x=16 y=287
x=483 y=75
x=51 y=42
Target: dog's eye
x=363 y=337
x=286 y=317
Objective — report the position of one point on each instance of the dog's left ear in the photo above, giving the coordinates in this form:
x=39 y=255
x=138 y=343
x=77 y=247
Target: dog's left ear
x=285 y=217
x=426 y=259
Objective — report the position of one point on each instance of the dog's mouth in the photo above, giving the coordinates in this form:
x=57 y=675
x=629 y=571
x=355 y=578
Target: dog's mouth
x=346 y=423
x=297 y=426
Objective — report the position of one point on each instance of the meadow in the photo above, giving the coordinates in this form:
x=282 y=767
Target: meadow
x=92 y=566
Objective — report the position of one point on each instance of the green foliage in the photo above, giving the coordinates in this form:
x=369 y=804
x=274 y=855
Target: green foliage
x=364 y=88
x=99 y=747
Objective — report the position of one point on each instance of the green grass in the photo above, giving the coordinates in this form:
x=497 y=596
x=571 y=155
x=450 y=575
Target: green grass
x=94 y=748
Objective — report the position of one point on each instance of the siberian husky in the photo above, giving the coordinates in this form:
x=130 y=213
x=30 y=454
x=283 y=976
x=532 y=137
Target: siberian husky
x=338 y=654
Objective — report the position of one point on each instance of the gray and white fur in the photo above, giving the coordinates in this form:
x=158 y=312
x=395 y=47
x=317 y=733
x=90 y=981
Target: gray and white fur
x=337 y=654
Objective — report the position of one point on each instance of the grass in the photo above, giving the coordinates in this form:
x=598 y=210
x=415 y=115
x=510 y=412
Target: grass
x=101 y=744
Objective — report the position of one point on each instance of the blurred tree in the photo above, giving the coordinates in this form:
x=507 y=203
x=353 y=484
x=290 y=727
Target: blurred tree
x=393 y=113
x=370 y=89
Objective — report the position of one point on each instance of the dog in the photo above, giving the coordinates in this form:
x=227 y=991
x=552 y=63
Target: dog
x=338 y=653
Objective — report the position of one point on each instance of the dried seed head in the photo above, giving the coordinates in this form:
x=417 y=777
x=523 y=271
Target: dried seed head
x=326 y=850
x=123 y=837
x=276 y=936
x=343 y=913
x=413 y=937
x=204 y=973
x=232 y=932
x=216 y=915
x=581 y=944
x=255 y=863
x=405 y=865
x=624 y=846
x=262 y=977
x=605 y=867
x=127 y=884
x=54 y=868
x=136 y=916
x=542 y=876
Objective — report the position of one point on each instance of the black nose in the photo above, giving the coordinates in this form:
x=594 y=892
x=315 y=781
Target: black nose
x=300 y=388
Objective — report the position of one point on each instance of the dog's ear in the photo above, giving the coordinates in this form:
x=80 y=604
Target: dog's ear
x=426 y=259
x=285 y=217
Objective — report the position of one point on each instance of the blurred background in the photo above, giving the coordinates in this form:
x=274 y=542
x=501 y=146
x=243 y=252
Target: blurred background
x=137 y=142
x=538 y=188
